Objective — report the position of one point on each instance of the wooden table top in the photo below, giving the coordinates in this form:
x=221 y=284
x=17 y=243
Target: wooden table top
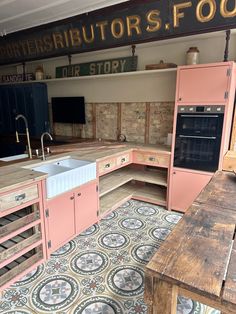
x=200 y=253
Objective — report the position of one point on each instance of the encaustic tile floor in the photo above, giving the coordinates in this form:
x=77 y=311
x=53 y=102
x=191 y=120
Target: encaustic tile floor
x=101 y=271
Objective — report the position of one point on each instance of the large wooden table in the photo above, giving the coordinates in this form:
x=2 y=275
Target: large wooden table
x=198 y=259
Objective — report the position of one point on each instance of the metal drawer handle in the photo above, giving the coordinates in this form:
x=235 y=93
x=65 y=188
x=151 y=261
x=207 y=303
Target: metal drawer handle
x=152 y=158
x=107 y=165
x=20 y=197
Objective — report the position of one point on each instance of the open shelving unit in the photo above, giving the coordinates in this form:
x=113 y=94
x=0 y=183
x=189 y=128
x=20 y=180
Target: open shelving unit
x=123 y=184
x=99 y=76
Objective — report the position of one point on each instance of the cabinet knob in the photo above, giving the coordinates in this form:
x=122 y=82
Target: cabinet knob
x=174 y=172
x=152 y=158
x=180 y=98
x=72 y=197
x=79 y=194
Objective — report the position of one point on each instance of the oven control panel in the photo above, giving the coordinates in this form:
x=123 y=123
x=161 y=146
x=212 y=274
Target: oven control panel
x=201 y=109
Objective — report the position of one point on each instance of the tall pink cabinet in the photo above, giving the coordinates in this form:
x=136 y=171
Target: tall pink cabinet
x=205 y=86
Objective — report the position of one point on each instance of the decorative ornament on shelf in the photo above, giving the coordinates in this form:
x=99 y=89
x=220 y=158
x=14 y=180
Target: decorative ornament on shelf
x=192 y=56
x=161 y=65
x=39 y=73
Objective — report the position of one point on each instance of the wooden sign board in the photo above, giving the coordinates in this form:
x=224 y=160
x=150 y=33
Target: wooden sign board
x=10 y=78
x=131 y=22
x=117 y=65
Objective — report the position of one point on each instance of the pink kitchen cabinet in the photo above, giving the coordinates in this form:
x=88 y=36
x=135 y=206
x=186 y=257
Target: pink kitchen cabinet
x=185 y=187
x=60 y=217
x=86 y=206
x=203 y=84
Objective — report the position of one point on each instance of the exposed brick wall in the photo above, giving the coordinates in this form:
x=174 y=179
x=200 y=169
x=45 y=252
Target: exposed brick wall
x=106 y=121
x=138 y=124
x=133 y=121
x=161 y=121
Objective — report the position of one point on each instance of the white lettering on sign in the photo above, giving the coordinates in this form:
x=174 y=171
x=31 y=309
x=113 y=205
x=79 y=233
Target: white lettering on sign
x=114 y=66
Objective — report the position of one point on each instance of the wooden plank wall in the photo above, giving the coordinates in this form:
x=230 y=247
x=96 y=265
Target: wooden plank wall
x=142 y=122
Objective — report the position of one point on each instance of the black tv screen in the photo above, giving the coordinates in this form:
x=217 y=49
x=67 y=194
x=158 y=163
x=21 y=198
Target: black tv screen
x=68 y=109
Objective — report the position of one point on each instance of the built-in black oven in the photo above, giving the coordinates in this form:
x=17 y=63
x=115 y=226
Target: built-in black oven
x=198 y=137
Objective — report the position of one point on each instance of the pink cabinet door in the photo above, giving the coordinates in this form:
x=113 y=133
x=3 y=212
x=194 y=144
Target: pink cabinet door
x=196 y=85
x=61 y=220
x=86 y=206
x=185 y=187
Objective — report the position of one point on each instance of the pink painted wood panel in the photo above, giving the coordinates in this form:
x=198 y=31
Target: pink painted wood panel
x=185 y=187
x=86 y=206
x=203 y=84
x=61 y=220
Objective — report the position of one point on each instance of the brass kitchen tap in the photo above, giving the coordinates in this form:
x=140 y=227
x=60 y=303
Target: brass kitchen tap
x=27 y=133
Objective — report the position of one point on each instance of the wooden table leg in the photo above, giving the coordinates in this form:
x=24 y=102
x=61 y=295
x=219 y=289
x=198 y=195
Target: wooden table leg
x=164 y=297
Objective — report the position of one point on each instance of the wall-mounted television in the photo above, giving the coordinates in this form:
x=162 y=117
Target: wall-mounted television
x=68 y=109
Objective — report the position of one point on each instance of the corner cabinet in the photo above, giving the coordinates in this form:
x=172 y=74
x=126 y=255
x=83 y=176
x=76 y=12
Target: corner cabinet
x=70 y=213
x=31 y=100
x=22 y=238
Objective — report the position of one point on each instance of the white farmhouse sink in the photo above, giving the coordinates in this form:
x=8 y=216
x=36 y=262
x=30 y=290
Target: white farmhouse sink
x=66 y=174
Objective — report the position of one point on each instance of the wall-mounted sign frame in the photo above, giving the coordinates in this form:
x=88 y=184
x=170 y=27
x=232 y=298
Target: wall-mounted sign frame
x=118 y=65
x=131 y=22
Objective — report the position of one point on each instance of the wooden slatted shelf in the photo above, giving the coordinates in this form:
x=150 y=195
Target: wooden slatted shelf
x=19 y=265
x=119 y=177
x=13 y=224
x=19 y=245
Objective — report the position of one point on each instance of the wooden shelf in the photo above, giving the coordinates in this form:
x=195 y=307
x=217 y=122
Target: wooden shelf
x=119 y=177
x=115 y=198
x=99 y=76
x=150 y=193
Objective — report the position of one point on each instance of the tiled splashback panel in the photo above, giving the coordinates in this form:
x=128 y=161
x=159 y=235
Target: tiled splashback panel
x=139 y=122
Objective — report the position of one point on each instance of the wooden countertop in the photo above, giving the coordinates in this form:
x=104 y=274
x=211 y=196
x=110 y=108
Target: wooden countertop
x=12 y=175
x=200 y=253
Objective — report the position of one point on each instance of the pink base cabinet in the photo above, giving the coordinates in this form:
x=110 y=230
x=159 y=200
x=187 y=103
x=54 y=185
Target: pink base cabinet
x=185 y=187
x=60 y=218
x=86 y=206
x=69 y=214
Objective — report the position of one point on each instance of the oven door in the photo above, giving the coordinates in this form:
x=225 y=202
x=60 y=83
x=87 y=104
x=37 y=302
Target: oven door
x=198 y=141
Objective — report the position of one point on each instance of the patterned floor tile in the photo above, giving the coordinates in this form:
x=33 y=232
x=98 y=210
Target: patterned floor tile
x=101 y=271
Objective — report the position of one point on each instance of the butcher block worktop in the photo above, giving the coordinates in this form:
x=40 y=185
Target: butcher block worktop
x=198 y=259
x=12 y=175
